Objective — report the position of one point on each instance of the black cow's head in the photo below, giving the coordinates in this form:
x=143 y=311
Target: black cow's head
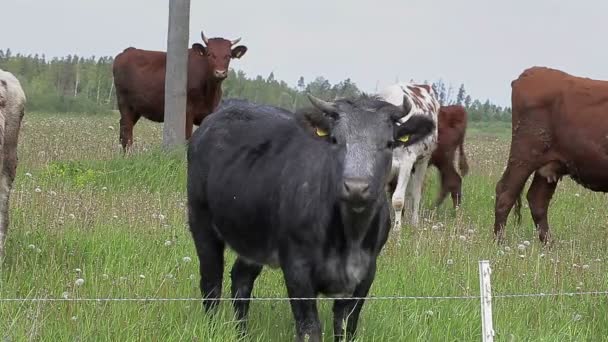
x=219 y=51
x=365 y=130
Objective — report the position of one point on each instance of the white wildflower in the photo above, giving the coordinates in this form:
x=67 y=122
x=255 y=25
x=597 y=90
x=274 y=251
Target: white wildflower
x=186 y=259
x=31 y=247
x=65 y=295
x=141 y=276
x=38 y=189
x=72 y=216
x=450 y=262
x=27 y=174
x=521 y=247
x=462 y=238
x=105 y=276
x=585 y=267
x=527 y=243
x=79 y=282
x=507 y=249
x=77 y=270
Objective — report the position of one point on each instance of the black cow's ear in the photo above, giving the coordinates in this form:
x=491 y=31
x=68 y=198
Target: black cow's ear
x=200 y=49
x=239 y=51
x=413 y=130
x=313 y=121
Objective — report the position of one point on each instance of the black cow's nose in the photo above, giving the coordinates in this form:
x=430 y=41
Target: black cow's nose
x=356 y=190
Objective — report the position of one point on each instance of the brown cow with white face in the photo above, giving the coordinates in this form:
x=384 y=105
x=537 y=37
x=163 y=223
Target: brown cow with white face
x=139 y=77
x=559 y=128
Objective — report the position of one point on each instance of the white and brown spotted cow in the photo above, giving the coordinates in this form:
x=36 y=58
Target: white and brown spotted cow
x=12 y=108
x=410 y=163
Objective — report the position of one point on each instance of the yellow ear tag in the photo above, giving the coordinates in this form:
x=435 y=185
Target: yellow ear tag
x=321 y=132
x=404 y=138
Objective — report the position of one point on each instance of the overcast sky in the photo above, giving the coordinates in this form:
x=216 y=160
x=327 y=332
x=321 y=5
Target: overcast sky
x=483 y=44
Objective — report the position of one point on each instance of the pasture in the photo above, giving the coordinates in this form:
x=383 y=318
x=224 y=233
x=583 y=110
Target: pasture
x=88 y=223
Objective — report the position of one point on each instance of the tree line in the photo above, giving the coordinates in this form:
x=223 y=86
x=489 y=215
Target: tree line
x=85 y=85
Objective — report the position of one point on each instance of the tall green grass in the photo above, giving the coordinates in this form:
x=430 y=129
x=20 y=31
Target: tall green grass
x=80 y=210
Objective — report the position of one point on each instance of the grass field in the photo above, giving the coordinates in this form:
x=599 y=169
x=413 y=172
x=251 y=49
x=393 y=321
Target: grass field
x=81 y=211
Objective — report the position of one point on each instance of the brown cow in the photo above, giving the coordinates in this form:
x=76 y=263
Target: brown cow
x=559 y=127
x=452 y=130
x=139 y=77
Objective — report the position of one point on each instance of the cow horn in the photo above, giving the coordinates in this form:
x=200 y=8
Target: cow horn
x=407 y=105
x=324 y=106
x=204 y=38
x=233 y=42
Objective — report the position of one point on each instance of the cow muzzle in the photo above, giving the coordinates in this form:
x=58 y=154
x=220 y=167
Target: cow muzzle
x=221 y=74
x=356 y=194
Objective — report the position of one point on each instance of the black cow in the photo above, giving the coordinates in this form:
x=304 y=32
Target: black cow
x=280 y=195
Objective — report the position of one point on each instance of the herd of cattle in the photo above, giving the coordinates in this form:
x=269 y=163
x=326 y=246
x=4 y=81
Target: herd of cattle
x=306 y=191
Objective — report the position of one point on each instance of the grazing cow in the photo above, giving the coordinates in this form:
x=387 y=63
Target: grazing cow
x=311 y=203
x=12 y=109
x=452 y=129
x=559 y=127
x=139 y=77
x=410 y=163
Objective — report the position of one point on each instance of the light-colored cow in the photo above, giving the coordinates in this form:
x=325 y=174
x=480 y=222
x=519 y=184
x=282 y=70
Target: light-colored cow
x=12 y=108
x=410 y=163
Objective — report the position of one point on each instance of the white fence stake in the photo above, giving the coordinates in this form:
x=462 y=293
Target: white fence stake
x=485 y=290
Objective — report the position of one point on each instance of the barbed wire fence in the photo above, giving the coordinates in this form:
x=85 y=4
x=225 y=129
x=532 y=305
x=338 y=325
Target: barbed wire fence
x=485 y=298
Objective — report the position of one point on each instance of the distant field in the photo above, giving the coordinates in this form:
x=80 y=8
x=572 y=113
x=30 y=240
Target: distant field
x=82 y=211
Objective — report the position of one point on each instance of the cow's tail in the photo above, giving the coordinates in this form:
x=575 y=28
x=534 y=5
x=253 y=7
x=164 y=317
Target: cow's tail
x=518 y=208
x=462 y=160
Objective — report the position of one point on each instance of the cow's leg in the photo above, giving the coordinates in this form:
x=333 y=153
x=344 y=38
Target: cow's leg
x=403 y=177
x=415 y=188
x=349 y=310
x=299 y=285
x=508 y=190
x=7 y=176
x=539 y=195
x=443 y=191
x=210 y=251
x=453 y=184
x=189 y=123
x=128 y=119
x=5 y=189
x=243 y=276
